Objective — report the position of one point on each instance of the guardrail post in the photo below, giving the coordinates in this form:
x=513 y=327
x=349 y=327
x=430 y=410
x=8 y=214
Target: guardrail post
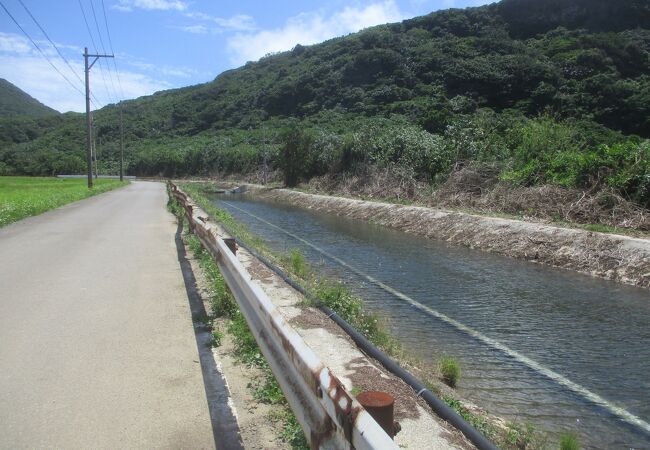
x=380 y=405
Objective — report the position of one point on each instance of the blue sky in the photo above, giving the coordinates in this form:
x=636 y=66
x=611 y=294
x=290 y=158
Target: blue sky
x=162 y=44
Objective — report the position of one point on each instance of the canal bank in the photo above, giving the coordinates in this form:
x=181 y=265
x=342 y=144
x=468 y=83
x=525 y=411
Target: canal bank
x=590 y=332
x=419 y=428
x=613 y=257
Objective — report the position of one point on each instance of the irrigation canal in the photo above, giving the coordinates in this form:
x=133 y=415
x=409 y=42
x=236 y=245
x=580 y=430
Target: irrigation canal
x=560 y=350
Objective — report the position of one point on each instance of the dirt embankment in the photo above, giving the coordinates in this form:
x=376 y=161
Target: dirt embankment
x=614 y=257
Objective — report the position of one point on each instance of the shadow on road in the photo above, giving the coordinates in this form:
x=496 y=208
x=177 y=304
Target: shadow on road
x=224 y=423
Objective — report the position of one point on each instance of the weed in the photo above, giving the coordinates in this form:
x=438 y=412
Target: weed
x=450 y=370
x=291 y=431
x=297 y=263
x=338 y=298
x=268 y=390
x=478 y=421
x=569 y=441
x=222 y=303
x=238 y=230
x=217 y=338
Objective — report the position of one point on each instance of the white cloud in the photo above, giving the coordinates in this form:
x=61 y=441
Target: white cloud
x=171 y=71
x=22 y=65
x=310 y=28
x=14 y=43
x=194 y=29
x=164 y=5
x=35 y=76
x=238 y=22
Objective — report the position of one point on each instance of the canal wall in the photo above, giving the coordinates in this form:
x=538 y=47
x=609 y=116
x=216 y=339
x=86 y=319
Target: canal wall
x=614 y=257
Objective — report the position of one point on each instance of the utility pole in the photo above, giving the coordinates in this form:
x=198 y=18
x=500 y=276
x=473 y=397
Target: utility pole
x=121 y=145
x=89 y=125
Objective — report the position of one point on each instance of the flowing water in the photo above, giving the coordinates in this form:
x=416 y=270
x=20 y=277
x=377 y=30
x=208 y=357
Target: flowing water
x=560 y=350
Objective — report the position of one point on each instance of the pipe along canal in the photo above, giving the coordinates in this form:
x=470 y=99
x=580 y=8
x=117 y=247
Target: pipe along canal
x=563 y=351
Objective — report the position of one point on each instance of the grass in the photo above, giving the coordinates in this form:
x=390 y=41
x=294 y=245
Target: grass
x=335 y=295
x=222 y=305
x=569 y=441
x=195 y=190
x=22 y=197
x=450 y=370
x=297 y=263
x=512 y=436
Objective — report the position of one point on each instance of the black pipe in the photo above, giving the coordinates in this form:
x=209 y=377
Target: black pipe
x=438 y=406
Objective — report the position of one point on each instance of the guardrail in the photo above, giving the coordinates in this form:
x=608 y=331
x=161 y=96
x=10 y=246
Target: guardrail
x=331 y=418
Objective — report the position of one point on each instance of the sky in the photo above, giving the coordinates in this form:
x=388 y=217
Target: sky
x=164 y=44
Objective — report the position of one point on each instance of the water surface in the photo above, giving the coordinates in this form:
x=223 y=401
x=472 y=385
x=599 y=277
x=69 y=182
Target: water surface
x=592 y=332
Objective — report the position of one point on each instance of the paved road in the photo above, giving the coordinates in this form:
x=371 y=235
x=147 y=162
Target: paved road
x=97 y=348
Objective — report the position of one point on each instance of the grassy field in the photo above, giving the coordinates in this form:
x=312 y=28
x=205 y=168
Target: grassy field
x=22 y=197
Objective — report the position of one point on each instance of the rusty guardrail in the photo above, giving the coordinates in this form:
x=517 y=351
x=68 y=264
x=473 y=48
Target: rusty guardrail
x=330 y=416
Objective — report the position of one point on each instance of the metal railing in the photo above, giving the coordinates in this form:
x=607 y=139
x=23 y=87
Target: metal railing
x=329 y=415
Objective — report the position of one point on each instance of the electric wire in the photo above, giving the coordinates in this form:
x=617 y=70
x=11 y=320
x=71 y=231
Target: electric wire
x=50 y=41
x=110 y=43
x=103 y=64
x=40 y=50
x=92 y=40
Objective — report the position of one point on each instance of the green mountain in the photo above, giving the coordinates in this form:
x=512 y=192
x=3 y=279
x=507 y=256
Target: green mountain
x=15 y=102
x=547 y=91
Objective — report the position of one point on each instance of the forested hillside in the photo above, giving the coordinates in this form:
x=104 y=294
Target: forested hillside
x=15 y=102
x=521 y=92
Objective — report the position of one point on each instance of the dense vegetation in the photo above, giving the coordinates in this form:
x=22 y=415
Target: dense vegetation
x=15 y=102
x=530 y=91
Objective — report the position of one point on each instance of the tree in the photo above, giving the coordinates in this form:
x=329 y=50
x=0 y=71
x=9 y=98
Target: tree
x=294 y=153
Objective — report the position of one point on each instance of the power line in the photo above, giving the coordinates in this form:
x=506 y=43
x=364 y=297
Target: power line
x=39 y=49
x=117 y=74
x=101 y=41
x=51 y=42
x=83 y=13
x=110 y=42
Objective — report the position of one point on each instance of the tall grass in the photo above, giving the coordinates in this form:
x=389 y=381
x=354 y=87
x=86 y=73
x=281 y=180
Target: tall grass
x=569 y=441
x=450 y=370
x=22 y=197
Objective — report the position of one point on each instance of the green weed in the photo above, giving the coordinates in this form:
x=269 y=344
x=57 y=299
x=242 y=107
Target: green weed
x=338 y=298
x=222 y=303
x=450 y=370
x=569 y=441
x=217 y=338
x=297 y=263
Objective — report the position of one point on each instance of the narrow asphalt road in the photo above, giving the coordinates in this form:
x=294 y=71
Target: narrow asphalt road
x=97 y=347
